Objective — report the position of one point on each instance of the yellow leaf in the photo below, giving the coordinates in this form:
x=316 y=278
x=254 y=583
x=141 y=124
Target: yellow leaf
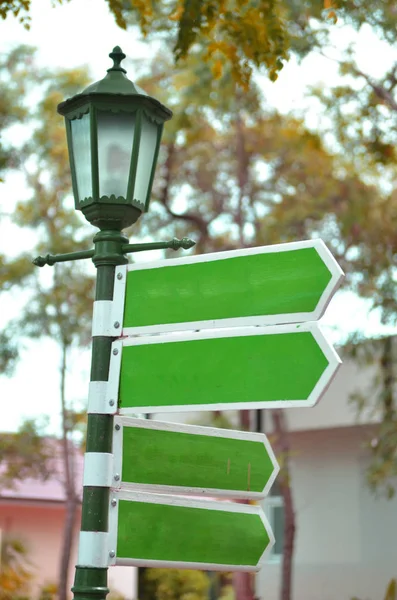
x=176 y=15
x=332 y=15
x=217 y=69
x=391 y=590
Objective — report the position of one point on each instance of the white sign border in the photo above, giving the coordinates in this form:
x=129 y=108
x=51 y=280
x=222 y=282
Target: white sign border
x=319 y=389
x=115 y=496
x=337 y=276
x=121 y=422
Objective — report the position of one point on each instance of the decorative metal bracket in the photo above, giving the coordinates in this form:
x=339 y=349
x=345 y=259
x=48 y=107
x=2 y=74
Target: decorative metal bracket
x=174 y=244
x=51 y=259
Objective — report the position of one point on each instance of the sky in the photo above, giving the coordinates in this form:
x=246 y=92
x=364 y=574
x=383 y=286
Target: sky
x=82 y=32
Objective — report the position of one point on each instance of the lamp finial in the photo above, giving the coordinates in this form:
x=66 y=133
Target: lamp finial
x=117 y=55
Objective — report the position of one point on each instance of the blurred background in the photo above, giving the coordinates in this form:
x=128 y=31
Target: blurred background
x=284 y=129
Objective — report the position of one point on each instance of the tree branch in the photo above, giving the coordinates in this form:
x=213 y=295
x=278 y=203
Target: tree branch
x=195 y=219
x=379 y=90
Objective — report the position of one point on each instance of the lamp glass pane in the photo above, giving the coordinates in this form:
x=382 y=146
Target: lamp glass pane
x=147 y=149
x=82 y=155
x=115 y=140
x=278 y=527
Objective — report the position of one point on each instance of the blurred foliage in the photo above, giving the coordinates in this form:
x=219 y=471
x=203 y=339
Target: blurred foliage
x=214 y=419
x=59 y=300
x=361 y=124
x=64 y=303
x=174 y=584
x=391 y=591
x=378 y=403
x=14 y=271
x=115 y=596
x=15 y=572
x=15 y=79
x=48 y=591
x=272 y=179
x=19 y=9
x=233 y=173
x=246 y=34
x=24 y=454
x=222 y=586
x=61 y=311
x=8 y=352
x=184 y=584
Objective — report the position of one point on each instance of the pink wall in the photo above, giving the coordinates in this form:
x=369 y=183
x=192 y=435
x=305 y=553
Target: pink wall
x=40 y=527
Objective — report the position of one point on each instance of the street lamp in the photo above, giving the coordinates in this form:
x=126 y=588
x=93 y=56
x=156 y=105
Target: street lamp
x=113 y=132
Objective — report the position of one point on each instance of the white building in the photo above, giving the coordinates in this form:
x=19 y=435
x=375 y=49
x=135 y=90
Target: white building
x=346 y=538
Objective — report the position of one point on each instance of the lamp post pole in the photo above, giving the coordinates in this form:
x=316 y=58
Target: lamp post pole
x=114 y=126
x=91 y=582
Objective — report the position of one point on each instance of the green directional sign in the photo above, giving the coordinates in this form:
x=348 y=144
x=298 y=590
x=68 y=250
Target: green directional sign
x=256 y=367
x=285 y=283
x=167 y=531
x=173 y=458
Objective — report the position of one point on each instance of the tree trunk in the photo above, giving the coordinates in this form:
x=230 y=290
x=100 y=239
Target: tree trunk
x=283 y=449
x=243 y=584
x=245 y=420
x=242 y=177
x=193 y=218
x=69 y=486
x=68 y=529
x=388 y=378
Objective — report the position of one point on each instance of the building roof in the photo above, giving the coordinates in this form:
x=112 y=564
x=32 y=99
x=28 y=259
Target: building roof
x=51 y=489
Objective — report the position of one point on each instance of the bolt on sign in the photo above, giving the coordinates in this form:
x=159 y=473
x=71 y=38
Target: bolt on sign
x=267 y=285
x=251 y=367
x=186 y=459
x=156 y=530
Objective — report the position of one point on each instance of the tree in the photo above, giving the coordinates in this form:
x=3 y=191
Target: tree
x=348 y=198
x=15 y=573
x=361 y=120
x=378 y=402
x=25 y=454
x=243 y=35
x=272 y=181
x=16 y=80
x=59 y=306
x=359 y=125
x=174 y=584
x=8 y=354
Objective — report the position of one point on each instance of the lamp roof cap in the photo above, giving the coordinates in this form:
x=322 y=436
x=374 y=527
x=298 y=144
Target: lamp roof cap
x=115 y=83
